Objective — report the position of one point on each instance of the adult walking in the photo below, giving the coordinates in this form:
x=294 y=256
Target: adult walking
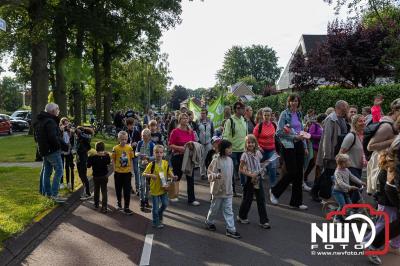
x=352 y=145
x=315 y=131
x=265 y=135
x=180 y=137
x=235 y=131
x=205 y=131
x=248 y=116
x=294 y=149
x=381 y=140
x=334 y=130
x=50 y=141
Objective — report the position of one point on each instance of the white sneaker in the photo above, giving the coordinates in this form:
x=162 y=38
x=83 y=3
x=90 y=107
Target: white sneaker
x=174 y=200
x=272 y=198
x=375 y=260
x=395 y=251
x=301 y=207
x=195 y=203
x=242 y=221
x=306 y=188
x=69 y=186
x=62 y=186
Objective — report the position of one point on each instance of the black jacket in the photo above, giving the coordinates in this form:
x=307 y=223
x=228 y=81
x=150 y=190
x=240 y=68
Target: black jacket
x=47 y=134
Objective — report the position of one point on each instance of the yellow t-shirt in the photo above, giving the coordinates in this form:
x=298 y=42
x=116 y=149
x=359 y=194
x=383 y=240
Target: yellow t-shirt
x=155 y=185
x=122 y=157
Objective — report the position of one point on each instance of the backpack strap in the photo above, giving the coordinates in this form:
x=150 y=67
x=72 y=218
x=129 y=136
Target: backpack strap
x=260 y=127
x=232 y=127
x=354 y=140
x=153 y=166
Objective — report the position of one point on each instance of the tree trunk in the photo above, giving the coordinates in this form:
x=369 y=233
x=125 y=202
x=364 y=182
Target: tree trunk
x=97 y=77
x=84 y=105
x=76 y=85
x=40 y=76
x=60 y=34
x=107 y=82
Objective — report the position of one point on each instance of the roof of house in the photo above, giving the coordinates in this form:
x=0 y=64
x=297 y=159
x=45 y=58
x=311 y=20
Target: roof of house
x=307 y=43
x=240 y=84
x=312 y=41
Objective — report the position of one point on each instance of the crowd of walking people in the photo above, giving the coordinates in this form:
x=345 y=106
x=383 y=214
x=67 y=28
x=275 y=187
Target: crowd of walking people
x=269 y=150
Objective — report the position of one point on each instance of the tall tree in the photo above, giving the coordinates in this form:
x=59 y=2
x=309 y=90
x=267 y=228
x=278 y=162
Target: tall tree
x=257 y=62
x=178 y=95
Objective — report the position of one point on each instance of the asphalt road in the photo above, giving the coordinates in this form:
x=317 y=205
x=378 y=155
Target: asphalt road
x=87 y=237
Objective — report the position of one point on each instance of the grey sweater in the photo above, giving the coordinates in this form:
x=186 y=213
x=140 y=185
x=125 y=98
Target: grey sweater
x=342 y=180
x=221 y=188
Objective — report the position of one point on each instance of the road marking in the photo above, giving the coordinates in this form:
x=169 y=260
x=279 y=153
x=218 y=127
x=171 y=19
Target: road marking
x=146 y=252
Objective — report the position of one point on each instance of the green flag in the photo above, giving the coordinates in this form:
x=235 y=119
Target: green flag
x=195 y=109
x=216 y=111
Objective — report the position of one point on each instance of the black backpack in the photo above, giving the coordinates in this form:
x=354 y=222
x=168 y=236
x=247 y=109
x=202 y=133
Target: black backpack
x=232 y=127
x=369 y=133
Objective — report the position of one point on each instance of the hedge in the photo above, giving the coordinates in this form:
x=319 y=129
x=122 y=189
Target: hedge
x=321 y=99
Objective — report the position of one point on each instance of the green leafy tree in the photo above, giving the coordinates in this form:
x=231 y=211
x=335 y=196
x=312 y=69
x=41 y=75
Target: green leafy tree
x=257 y=64
x=178 y=95
x=10 y=96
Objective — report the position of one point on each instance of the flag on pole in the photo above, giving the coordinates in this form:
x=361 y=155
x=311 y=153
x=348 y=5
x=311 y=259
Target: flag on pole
x=216 y=111
x=195 y=109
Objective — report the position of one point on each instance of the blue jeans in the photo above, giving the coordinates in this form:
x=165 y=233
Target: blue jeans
x=144 y=187
x=271 y=168
x=226 y=205
x=135 y=162
x=342 y=198
x=51 y=161
x=236 y=162
x=157 y=210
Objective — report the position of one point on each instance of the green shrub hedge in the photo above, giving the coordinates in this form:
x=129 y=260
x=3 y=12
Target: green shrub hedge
x=321 y=99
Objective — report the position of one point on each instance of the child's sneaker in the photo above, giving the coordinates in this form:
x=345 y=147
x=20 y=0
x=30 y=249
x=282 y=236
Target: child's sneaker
x=104 y=209
x=96 y=206
x=242 y=221
x=119 y=207
x=265 y=225
x=127 y=211
x=147 y=205
x=85 y=196
x=210 y=227
x=174 y=199
x=233 y=234
x=62 y=186
x=160 y=226
x=272 y=198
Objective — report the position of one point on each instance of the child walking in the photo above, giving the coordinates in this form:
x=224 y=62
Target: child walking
x=99 y=162
x=83 y=138
x=342 y=179
x=250 y=166
x=122 y=155
x=144 y=150
x=220 y=173
x=158 y=172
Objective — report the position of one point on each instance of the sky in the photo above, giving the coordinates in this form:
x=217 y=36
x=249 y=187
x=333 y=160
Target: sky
x=209 y=28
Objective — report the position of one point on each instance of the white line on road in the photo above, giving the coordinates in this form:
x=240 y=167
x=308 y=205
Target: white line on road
x=148 y=242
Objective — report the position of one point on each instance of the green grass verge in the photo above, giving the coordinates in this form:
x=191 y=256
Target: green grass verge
x=23 y=148
x=17 y=149
x=20 y=202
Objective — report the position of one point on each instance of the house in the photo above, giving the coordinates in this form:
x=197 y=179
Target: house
x=306 y=44
x=242 y=91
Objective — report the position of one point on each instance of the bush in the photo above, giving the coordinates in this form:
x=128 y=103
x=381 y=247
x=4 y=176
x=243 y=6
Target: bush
x=321 y=99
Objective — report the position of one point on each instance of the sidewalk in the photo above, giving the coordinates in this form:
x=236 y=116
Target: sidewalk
x=88 y=237
x=25 y=164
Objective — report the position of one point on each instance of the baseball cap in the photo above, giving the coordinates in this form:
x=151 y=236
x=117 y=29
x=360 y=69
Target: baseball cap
x=215 y=139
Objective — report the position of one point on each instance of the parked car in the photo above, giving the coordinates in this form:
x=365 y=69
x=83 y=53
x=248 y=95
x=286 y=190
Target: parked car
x=17 y=124
x=23 y=115
x=5 y=125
